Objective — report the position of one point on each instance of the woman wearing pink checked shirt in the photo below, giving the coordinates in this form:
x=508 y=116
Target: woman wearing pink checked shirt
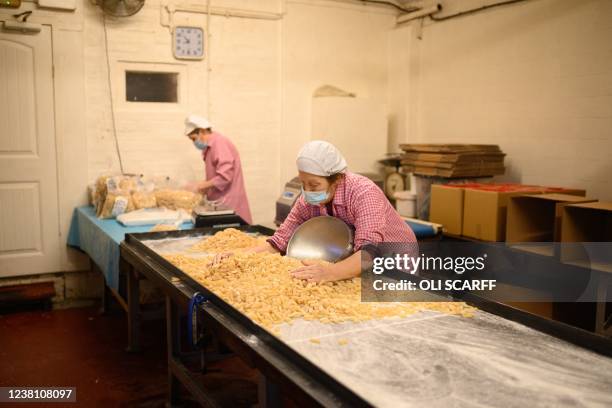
x=224 y=181
x=329 y=189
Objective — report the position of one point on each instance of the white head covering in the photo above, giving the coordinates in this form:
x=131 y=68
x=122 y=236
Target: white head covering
x=321 y=159
x=193 y=122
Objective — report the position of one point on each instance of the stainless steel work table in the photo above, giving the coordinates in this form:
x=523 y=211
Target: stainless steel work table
x=427 y=359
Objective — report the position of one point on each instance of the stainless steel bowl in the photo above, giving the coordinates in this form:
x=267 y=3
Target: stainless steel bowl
x=327 y=238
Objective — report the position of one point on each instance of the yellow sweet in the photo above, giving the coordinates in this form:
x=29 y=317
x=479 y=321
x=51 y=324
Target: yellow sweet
x=229 y=239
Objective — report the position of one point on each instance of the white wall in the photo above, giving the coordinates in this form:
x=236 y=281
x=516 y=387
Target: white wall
x=329 y=43
x=356 y=126
x=534 y=77
x=238 y=90
x=259 y=87
x=245 y=100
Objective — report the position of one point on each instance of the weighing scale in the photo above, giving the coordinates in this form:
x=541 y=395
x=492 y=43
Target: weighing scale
x=288 y=197
x=215 y=215
x=394 y=181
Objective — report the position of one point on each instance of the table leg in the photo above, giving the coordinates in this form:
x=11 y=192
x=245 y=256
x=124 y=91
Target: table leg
x=602 y=322
x=173 y=340
x=105 y=301
x=104 y=298
x=268 y=393
x=133 y=290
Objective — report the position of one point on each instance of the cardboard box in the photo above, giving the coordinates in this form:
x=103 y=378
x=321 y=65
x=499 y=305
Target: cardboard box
x=587 y=222
x=422 y=187
x=453 y=160
x=537 y=217
x=484 y=213
x=447 y=201
x=446 y=206
x=485 y=207
x=528 y=188
x=563 y=190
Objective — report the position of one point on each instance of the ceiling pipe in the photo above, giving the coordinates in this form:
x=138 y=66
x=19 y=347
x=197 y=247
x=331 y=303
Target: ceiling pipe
x=421 y=13
x=226 y=12
x=388 y=3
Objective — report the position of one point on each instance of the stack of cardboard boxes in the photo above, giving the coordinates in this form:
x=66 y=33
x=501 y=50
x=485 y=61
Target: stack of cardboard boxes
x=479 y=210
x=452 y=160
x=529 y=218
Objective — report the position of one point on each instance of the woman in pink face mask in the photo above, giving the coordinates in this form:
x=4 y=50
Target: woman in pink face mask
x=224 y=180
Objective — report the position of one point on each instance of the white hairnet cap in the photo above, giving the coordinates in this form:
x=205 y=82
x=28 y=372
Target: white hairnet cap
x=193 y=122
x=321 y=159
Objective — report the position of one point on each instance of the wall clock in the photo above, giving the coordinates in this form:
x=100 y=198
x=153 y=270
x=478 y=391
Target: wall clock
x=188 y=42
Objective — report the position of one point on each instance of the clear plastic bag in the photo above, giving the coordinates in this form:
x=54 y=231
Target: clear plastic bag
x=100 y=192
x=91 y=194
x=116 y=204
x=177 y=199
x=144 y=199
x=144 y=196
x=118 y=195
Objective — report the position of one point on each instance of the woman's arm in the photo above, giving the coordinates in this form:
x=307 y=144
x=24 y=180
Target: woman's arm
x=254 y=250
x=299 y=213
x=199 y=186
x=313 y=271
x=262 y=248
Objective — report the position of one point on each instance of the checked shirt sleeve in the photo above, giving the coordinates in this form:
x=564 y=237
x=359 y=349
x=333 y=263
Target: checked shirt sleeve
x=298 y=215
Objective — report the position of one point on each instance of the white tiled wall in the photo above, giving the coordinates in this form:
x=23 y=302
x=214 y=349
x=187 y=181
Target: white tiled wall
x=534 y=77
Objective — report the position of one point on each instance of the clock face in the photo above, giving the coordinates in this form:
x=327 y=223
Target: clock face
x=189 y=42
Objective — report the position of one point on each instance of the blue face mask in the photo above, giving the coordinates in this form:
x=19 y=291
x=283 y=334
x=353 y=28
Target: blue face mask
x=200 y=144
x=315 y=197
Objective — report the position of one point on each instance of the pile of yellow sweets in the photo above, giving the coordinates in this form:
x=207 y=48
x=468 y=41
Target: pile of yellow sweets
x=260 y=286
x=229 y=239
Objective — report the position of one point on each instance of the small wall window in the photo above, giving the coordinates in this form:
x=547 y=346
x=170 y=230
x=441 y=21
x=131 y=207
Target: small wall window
x=143 y=86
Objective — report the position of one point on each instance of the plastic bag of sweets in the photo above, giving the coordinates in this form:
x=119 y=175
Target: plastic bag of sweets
x=177 y=199
x=118 y=198
x=144 y=196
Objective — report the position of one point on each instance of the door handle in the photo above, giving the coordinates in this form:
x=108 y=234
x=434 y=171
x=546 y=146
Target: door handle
x=22 y=27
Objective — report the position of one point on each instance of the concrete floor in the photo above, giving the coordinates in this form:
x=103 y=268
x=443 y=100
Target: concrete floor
x=80 y=348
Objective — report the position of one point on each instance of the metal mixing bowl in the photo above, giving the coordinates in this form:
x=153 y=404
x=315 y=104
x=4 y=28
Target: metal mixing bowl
x=327 y=238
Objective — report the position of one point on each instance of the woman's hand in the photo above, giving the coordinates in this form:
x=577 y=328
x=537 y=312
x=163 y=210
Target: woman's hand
x=314 y=271
x=262 y=248
x=198 y=186
x=218 y=258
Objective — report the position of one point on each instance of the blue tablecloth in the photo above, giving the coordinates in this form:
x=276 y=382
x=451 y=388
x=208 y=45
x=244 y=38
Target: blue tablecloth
x=100 y=240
